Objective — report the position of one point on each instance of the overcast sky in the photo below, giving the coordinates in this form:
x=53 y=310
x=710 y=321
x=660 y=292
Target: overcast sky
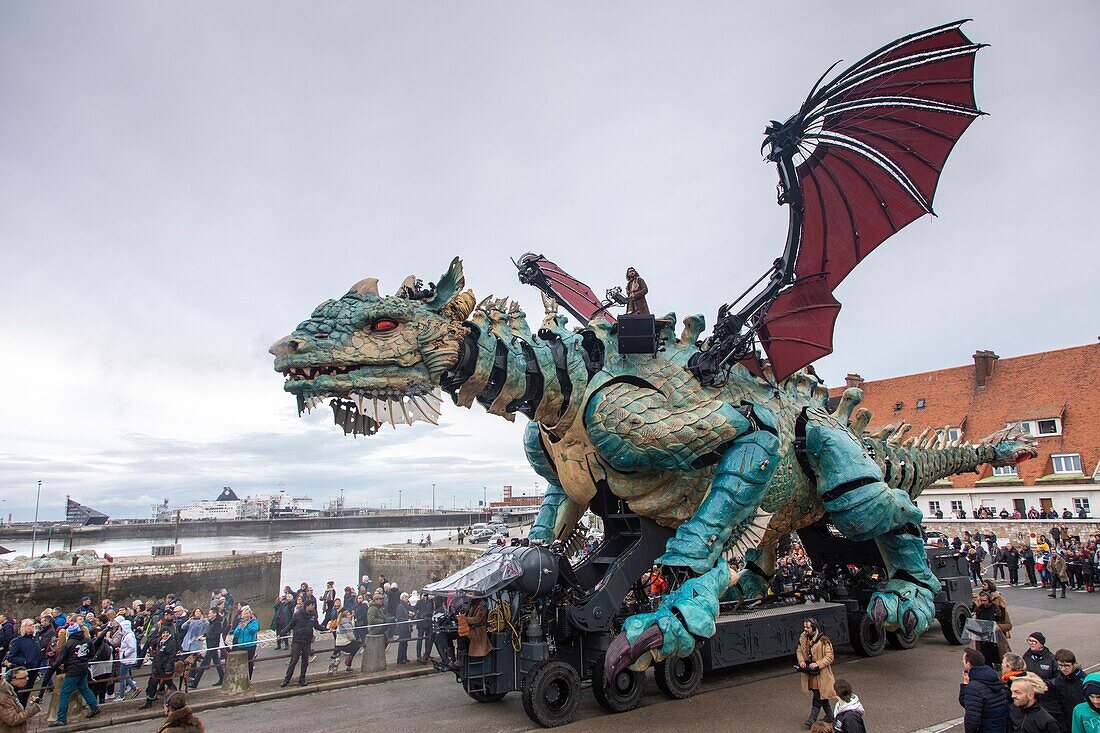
x=183 y=182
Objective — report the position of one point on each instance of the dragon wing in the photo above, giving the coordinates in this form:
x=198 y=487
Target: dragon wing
x=575 y=296
x=860 y=160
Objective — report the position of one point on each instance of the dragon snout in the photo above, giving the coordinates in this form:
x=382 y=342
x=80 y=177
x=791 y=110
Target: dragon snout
x=1025 y=454
x=288 y=345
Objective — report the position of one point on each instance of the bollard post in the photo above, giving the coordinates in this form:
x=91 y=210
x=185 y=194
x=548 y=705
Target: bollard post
x=235 y=681
x=374 y=654
x=76 y=701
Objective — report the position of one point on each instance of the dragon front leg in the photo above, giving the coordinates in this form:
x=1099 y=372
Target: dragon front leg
x=558 y=514
x=863 y=507
x=687 y=614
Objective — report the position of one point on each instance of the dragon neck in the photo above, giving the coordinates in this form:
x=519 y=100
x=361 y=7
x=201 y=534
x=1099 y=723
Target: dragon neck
x=505 y=368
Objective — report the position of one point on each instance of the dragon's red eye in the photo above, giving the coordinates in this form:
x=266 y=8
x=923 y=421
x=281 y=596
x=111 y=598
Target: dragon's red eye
x=384 y=324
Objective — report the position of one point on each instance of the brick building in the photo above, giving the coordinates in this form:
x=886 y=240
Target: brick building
x=1055 y=394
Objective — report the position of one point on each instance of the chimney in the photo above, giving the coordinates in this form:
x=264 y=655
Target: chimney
x=507 y=495
x=853 y=380
x=983 y=367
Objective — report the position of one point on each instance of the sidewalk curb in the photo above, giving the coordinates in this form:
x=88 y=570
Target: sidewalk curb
x=319 y=685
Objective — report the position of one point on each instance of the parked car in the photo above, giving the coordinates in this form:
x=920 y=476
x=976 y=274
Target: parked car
x=481 y=535
x=498 y=539
x=499 y=527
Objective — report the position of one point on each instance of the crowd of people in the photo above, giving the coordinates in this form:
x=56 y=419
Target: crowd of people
x=986 y=512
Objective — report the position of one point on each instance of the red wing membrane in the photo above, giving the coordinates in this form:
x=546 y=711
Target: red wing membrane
x=873 y=143
x=575 y=296
x=798 y=329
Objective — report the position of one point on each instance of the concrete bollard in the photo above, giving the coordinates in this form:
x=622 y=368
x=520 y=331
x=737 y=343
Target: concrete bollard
x=374 y=654
x=77 y=706
x=235 y=681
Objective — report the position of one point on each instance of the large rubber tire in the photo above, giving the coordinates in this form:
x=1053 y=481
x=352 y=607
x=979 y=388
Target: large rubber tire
x=953 y=624
x=900 y=640
x=678 y=677
x=866 y=638
x=551 y=693
x=486 y=696
x=618 y=695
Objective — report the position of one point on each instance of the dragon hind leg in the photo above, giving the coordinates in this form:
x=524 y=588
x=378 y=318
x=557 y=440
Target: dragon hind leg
x=863 y=507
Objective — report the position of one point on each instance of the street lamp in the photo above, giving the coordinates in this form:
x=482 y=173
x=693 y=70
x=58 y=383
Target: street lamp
x=34 y=529
x=484 y=498
x=433 y=498
x=399 y=498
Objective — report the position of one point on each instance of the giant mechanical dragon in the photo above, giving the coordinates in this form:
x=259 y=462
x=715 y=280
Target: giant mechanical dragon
x=703 y=435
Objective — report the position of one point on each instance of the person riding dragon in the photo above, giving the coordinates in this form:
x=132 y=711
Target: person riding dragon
x=700 y=435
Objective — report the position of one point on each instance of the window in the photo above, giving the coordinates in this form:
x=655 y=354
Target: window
x=898 y=406
x=1044 y=427
x=933 y=507
x=956 y=506
x=1067 y=463
x=920 y=404
x=1004 y=470
x=953 y=434
x=1081 y=503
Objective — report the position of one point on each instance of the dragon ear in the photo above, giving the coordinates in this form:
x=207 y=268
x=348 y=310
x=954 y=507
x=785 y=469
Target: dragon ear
x=367 y=286
x=408 y=283
x=452 y=282
x=459 y=307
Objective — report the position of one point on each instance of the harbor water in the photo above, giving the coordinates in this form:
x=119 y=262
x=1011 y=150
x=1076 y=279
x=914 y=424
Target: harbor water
x=314 y=557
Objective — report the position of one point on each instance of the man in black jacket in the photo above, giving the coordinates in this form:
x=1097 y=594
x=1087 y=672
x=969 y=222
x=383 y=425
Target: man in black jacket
x=848 y=713
x=301 y=628
x=1027 y=555
x=1067 y=687
x=1033 y=719
x=982 y=696
x=1038 y=658
x=73 y=661
x=1011 y=558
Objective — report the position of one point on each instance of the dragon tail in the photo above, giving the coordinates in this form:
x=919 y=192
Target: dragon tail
x=915 y=463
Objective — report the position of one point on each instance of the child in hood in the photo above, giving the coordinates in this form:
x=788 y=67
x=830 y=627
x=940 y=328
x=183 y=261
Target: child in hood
x=1086 y=716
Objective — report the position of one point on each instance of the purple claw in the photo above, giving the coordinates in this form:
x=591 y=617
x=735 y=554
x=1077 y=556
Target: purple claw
x=621 y=654
x=879 y=612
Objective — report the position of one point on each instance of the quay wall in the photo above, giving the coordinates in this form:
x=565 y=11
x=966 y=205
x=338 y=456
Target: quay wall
x=252 y=578
x=253 y=527
x=414 y=567
x=1017 y=530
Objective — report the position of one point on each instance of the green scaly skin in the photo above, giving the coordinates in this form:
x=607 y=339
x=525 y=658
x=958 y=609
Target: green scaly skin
x=678 y=452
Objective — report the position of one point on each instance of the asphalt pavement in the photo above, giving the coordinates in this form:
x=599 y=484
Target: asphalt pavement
x=903 y=691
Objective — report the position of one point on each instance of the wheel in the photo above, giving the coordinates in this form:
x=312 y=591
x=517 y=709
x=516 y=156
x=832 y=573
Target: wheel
x=486 y=696
x=953 y=624
x=900 y=640
x=551 y=693
x=679 y=677
x=618 y=695
x=866 y=638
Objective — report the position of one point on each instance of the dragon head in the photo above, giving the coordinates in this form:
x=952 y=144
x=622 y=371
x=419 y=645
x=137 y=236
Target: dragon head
x=1008 y=447
x=377 y=358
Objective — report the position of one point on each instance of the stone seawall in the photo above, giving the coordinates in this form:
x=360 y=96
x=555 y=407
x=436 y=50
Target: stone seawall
x=252 y=578
x=414 y=567
x=1018 y=530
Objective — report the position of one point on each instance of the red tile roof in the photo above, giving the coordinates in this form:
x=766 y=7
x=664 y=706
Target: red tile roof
x=1064 y=383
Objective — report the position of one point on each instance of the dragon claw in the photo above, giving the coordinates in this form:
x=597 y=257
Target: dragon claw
x=622 y=653
x=903 y=606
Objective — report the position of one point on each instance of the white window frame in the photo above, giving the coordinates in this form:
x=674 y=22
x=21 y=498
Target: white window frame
x=957 y=506
x=933 y=507
x=1032 y=427
x=954 y=434
x=1004 y=471
x=1054 y=462
x=1079 y=502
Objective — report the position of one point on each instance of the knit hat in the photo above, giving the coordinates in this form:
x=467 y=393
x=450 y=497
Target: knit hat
x=1038 y=636
x=73 y=628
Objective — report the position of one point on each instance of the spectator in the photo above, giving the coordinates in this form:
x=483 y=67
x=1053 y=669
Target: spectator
x=1038 y=658
x=7 y=634
x=127 y=657
x=423 y=616
x=345 y=643
x=178 y=716
x=815 y=659
x=85 y=607
x=986 y=610
x=73 y=660
x=1027 y=555
x=163 y=669
x=328 y=598
x=376 y=616
x=349 y=598
x=359 y=616
x=404 y=614
x=301 y=628
x=14 y=712
x=1012 y=666
x=283 y=612
x=1067 y=687
x=821 y=727
x=215 y=629
x=1058 y=574
x=1025 y=693
x=1086 y=716
x=986 y=710
x=848 y=715
x=25 y=651
x=1011 y=559
x=244 y=636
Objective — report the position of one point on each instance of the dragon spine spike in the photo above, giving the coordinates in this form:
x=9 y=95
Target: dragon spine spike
x=483 y=306
x=693 y=328
x=860 y=420
x=848 y=402
x=460 y=306
x=368 y=286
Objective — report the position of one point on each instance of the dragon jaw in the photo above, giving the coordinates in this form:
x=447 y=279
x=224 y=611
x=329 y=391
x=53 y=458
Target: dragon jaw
x=377 y=359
